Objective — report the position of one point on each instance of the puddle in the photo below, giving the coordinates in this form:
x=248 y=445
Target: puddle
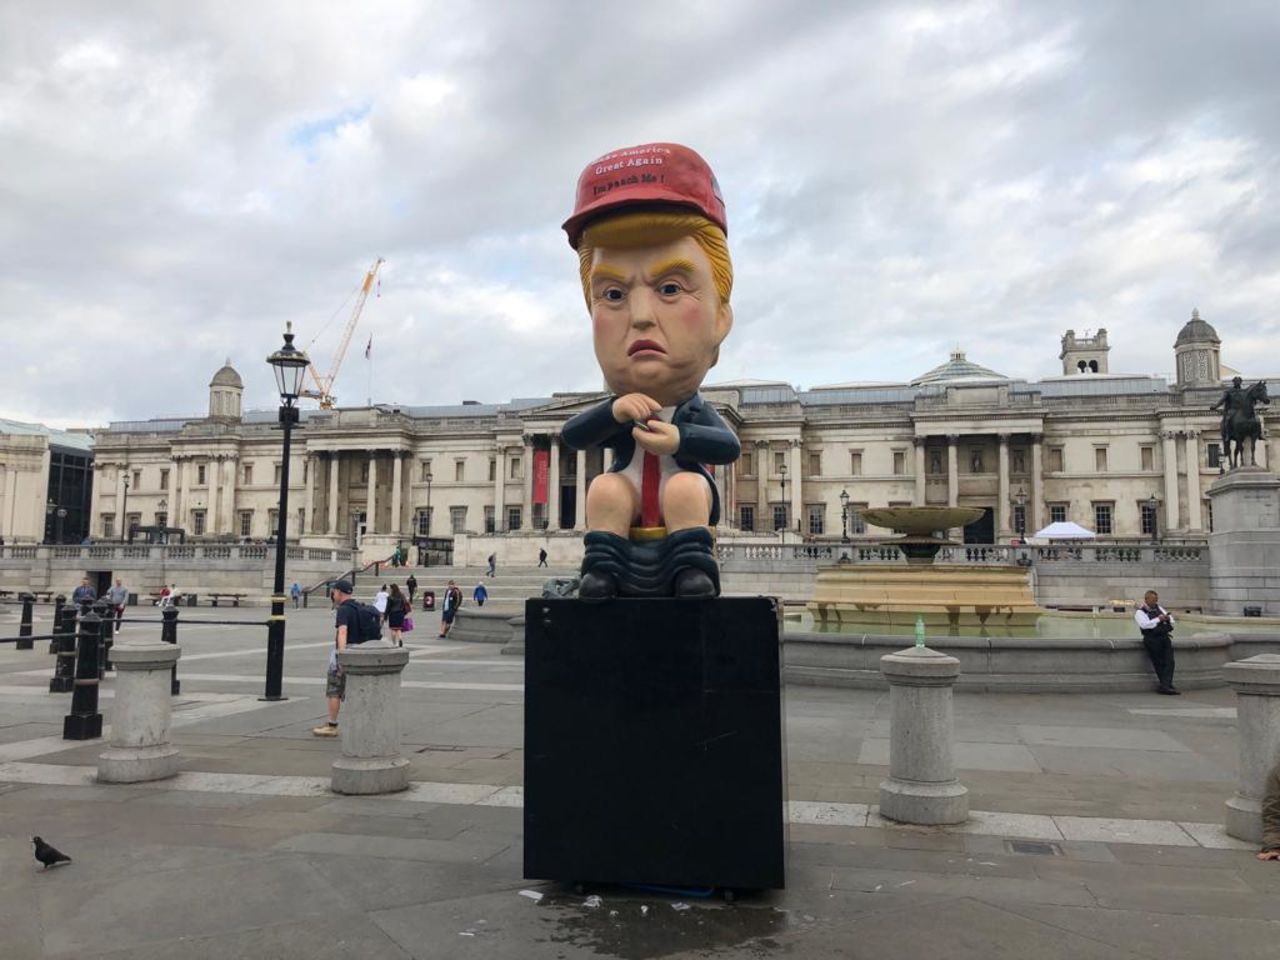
x=633 y=926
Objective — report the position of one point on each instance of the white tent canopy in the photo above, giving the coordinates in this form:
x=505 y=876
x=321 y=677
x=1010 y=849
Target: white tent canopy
x=1065 y=530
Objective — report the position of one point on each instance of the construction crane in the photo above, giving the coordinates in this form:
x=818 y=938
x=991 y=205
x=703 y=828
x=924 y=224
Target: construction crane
x=324 y=385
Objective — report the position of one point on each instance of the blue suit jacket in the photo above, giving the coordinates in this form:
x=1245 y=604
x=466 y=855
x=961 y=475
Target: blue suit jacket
x=704 y=438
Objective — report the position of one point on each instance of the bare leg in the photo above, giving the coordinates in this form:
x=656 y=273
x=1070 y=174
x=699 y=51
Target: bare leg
x=612 y=503
x=686 y=501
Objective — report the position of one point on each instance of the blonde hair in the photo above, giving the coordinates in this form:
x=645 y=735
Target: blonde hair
x=644 y=228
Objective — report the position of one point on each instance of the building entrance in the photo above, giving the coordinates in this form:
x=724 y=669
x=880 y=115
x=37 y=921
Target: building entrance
x=982 y=530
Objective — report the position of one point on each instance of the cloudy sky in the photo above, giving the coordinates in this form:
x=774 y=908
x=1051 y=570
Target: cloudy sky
x=179 y=180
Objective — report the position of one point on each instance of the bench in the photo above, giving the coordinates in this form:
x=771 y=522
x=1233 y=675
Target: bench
x=235 y=598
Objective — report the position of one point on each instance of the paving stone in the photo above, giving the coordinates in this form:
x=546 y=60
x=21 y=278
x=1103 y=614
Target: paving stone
x=1165 y=936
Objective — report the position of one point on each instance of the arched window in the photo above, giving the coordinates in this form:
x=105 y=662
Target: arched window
x=1081 y=366
x=1093 y=366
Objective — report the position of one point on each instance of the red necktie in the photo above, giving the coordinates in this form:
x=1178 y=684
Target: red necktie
x=651 y=479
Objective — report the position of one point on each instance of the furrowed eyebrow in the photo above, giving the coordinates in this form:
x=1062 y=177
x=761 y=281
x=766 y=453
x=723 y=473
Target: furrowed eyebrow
x=675 y=265
x=603 y=271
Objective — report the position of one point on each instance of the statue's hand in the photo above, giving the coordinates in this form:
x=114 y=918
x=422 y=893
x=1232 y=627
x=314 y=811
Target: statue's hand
x=634 y=406
x=661 y=437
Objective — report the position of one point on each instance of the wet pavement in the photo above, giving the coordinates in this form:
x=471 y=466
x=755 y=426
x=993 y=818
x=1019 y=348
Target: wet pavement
x=1095 y=836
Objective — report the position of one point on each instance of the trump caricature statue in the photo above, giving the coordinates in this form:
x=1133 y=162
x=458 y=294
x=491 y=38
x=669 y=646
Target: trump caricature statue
x=649 y=227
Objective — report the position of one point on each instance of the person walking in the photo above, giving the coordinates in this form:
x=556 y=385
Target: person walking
x=380 y=602
x=295 y=591
x=118 y=596
x=1156 y=625
x=397 y=607
x=84 y=593
x=449 y=609
x=1271 y=817
x=542 y=557
x=493 y=564
x=412 y=586
x=480 y=594
x=351 y=626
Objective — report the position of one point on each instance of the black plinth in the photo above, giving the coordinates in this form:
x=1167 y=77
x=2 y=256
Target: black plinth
x=653 y=743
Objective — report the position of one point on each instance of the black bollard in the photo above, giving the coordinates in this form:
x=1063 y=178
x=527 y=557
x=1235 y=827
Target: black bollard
x=64 y=667
x=169 y=634
x=59 y=602
x=84 y=722
x=24 y=628
x=107 y=614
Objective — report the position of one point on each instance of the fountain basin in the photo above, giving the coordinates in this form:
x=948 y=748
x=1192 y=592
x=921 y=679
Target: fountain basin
x=886 y=594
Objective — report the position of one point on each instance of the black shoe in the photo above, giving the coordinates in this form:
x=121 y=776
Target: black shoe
x=694 y=583
x=1169 y=691
x=597 y=586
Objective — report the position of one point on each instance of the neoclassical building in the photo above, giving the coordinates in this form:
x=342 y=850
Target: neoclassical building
x=1125 y=455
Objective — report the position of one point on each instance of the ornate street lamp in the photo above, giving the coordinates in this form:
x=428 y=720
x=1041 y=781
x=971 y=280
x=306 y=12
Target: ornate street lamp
x=290 y=365
x=1154 y=506
x=426 y=554
x=782 y=469
x=844 y=516
x=1021 y=500
x=124 y=508
x=61 y=514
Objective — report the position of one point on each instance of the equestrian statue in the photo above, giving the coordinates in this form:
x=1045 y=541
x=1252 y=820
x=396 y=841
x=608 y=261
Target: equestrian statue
x=1239 y=421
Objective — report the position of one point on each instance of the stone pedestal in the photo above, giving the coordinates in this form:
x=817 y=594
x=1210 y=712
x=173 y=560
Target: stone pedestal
x=1244 y=548
x=370 y=721
x=922 y=785
x=140 y=749
x=1256 y=682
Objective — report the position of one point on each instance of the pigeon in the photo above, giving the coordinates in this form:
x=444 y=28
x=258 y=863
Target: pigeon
x=47 y=855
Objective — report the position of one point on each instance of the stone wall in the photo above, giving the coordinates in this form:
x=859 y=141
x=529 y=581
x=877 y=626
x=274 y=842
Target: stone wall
x=247 y=569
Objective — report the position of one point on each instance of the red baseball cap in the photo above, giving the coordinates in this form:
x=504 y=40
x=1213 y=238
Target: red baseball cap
x=652 y=174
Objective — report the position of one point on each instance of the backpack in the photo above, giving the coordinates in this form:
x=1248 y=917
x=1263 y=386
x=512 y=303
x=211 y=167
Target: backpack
x=368 y=624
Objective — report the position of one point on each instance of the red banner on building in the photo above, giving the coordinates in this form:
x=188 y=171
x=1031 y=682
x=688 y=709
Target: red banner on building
x=541 y=468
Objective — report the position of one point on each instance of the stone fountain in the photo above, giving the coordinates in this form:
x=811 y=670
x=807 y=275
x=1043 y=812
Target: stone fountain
x=948 y=595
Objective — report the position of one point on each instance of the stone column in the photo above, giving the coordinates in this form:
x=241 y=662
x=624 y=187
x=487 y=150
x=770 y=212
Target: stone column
x=334 y=463
x=796 y=471
x=1191 y=439
x=922 y=786
x=580 y=495
x=371 y=496
x=763 y=521
x=171 y=494
x=1003 y=527
x=953 y=471
x=310 y=465
x=123 y=527
x=527 y=464
x=370 y=721
x=1172 y=520
x=553 y=484
x=1256 y=682
x=1037 y=518
x=212 y=467
x=397 y=491
x=918 y=443
x=227 y=483
x=500 y=490
x=184 y=492
x=140 y=749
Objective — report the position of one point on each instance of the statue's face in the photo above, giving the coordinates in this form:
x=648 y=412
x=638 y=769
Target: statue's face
x=656 y=318
x=1236 y=381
